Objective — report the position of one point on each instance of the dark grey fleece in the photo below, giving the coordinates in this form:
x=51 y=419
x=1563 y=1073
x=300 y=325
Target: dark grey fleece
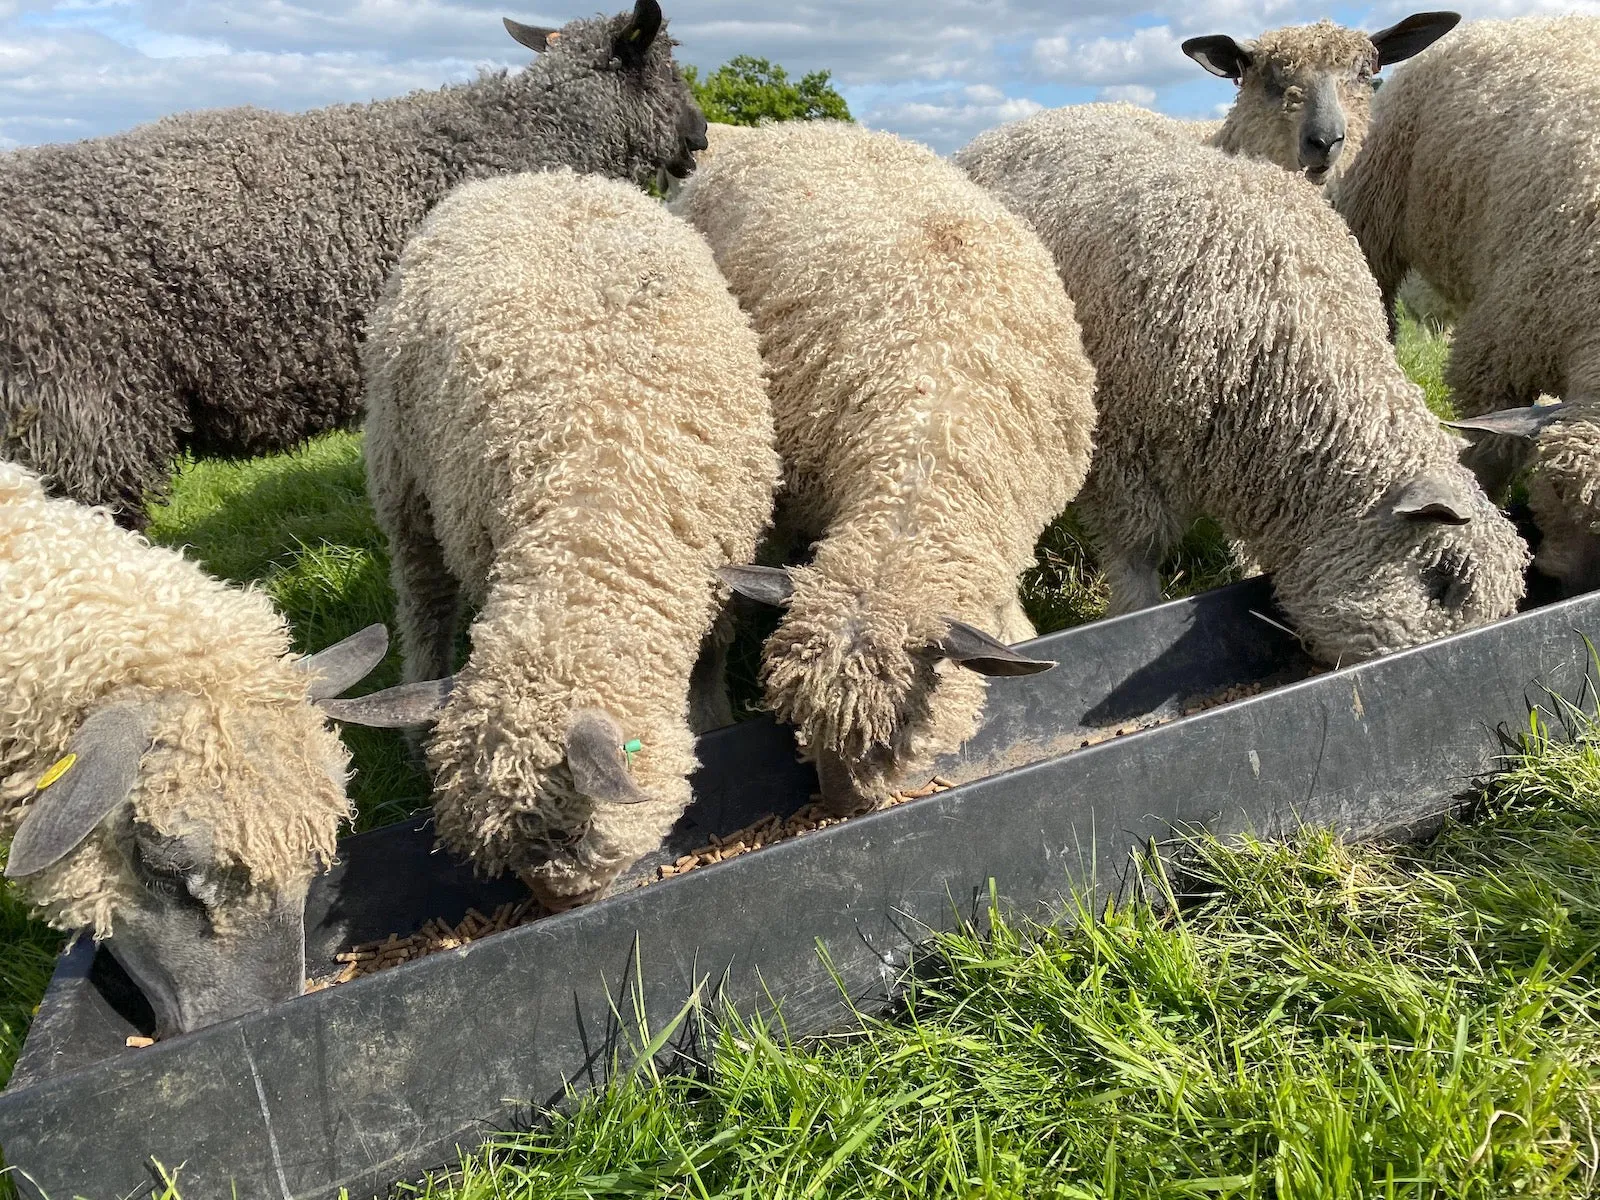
x=201 y=282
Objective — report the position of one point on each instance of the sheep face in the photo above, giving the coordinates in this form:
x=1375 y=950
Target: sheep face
x=1431 y=558
x=1305 y=92
x=873 y=692
x=188 y=832
x=622 y=85
x=1561 y=443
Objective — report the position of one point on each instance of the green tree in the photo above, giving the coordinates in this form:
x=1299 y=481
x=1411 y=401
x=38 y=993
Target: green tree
x=746 y=90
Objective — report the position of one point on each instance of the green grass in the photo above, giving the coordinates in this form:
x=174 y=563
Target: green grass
x=1304 y=1020
x=1423 y=347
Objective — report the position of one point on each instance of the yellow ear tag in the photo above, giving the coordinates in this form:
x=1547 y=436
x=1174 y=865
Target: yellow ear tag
x=55 y=772
x=551 y=38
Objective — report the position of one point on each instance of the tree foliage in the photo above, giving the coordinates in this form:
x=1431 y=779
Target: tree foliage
x=746 y=91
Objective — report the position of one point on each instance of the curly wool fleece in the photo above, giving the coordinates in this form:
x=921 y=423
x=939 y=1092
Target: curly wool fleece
x=200 y=282
x=568 y=425
x=932 y=402
x=1482 y=172
x=91 y=614
x=1245 y=373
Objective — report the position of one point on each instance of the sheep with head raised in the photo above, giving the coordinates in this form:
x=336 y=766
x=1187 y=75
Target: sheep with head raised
x=1304 y=92
x=1482 y=174
x=933 y=408
x=567 y=426
x=200 y=282
x=1245 y=373
x=166 y=777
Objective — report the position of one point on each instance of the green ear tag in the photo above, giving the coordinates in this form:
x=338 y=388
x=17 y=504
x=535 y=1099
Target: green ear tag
x=630 y=748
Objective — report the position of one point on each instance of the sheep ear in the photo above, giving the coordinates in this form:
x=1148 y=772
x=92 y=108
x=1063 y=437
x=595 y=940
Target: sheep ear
x=1436 y=497
x=393 y=708
x=975 y=650
x=535 y=37
x=1219 y=54
x=101 y=767
x=1412 y=36
x=1511 y=422
x=345 y=664
x=767 y=585
x=594 y=756
x=633 y=43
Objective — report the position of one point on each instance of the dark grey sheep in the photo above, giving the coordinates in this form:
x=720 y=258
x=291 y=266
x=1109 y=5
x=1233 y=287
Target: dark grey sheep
x=200 y=282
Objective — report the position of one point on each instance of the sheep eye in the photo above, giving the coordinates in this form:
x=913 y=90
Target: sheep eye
x=167 y=879
x=1445 y=581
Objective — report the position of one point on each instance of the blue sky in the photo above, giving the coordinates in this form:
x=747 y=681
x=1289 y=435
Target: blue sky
x=937 y=70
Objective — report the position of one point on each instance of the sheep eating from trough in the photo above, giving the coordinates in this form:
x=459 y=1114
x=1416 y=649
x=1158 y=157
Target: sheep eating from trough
x=200 y=282
x=568 y=426
x=1245 y=373
x=933 y=407
x=167 y=779
x=1305 y=91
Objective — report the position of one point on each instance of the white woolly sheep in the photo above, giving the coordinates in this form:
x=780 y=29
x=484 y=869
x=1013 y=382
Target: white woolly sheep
x=932 y=403
x=1482 y=172
x=1304 y=91
x=200 y=282
x=567 y=425
x=167 y=779
x=1244 y=373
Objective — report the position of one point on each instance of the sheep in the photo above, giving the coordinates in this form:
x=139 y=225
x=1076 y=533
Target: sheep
x=166 y=774
x=1561 y=444
x=1482 y=172
x=1244 y=373
x=933 y=407
x=1304 y=92
x=567 y=426
x=199 y=283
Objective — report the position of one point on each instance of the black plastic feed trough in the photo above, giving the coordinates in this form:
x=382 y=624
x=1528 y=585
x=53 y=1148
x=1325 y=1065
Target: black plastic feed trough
x=380 y=1078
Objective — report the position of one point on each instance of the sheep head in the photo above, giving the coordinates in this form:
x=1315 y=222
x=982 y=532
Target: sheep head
x=621 y=90
x=871 y=691
x=1561 y=443
x=186 y=829
x=1305 y=92
x=1431 y=557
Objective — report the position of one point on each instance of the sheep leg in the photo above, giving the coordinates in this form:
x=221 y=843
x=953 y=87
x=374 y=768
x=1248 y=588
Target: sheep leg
x=1486 y=373
x=709 y=704
x=1132 y=532
x=427 y=595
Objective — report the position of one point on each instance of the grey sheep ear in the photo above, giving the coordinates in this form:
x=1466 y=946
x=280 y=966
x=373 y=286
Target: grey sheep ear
x=393 y=708
x=535 y=37
x=975 y=650
x=595 y=758
x=345 y=664
x=633 y=43
x=1219 y=54
x=1435 y=497
x=767 y=585
x=1412 y=36
x=104 y=757
x=1511 y=422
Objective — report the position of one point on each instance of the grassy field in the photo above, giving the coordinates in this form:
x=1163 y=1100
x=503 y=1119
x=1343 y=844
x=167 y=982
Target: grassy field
x=1314 y=1020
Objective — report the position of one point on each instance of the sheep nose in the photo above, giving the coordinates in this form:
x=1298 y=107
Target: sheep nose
x=1318 y=148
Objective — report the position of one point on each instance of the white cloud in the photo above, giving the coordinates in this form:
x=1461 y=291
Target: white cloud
x=1132 y=93
x=941 y=70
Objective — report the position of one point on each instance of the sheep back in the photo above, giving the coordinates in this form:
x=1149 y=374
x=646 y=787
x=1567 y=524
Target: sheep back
x=558 y=372
x=1244 y=371
x=933 y=407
